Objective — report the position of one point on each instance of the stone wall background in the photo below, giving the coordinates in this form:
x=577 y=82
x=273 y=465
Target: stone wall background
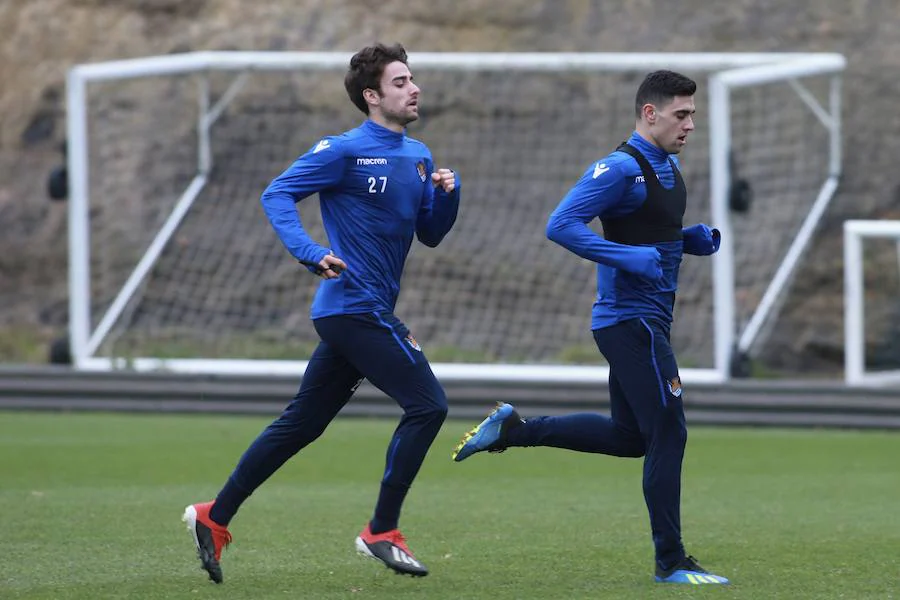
x=41 y=39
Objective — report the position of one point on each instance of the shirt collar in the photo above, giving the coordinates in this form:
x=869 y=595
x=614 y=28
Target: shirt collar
x=383 y=134
x=647 y=149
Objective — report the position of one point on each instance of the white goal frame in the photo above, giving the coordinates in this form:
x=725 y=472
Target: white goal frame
x=855 y=231
x=728 y=71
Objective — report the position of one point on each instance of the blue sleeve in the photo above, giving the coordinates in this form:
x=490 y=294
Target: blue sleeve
x=320 y=168
x=700 y=240
x=601 y=192
x=438 y=210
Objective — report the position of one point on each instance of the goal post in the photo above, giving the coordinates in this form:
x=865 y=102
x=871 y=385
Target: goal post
x=172 y=266
x=871 y=278
x=829 y=116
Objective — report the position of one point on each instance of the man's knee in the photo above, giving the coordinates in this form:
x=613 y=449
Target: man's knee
x=433 y=408
x=440 y=413
x=437 y=411
x=635 y=446
x=667 y=428
x=636 y=450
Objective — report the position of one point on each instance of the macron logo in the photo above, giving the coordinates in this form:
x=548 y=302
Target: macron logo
x=600 y=169
x=321 y=146
x=371 y=161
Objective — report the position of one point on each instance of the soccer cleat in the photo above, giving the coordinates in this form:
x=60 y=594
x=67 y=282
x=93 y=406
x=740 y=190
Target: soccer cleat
x=209 y=537
x=391 y=549
x=688 y=571
x=490 y=434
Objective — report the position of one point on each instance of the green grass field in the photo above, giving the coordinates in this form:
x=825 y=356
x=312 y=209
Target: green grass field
x=90 y=507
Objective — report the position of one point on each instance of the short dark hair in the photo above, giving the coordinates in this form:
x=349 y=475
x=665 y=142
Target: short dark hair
x=660 y=87
x=366 y=69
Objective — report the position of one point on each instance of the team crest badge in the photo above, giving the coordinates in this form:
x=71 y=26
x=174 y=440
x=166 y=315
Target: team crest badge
x=675 y=386
x=420 y=167
x=413 y=343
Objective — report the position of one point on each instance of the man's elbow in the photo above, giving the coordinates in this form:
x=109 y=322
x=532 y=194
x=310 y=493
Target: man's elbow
x=265 y=200
x=266 y=197
x=554 y=229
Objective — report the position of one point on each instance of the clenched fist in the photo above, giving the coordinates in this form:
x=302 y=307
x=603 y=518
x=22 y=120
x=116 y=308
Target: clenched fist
x=444 y=178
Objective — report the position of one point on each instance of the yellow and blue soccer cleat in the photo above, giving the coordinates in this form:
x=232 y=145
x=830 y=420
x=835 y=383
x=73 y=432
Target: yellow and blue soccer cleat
x=689 y=572
x=490 y=434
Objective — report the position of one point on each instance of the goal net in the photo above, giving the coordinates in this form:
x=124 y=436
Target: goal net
x=175 y=267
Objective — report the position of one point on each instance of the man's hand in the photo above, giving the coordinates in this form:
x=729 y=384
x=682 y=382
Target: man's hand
x=330 y=266
x=444 y=178
x=700 y=240
x=650 y=263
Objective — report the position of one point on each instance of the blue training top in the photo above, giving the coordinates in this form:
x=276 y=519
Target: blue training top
x=612 y=188
x=375 y=192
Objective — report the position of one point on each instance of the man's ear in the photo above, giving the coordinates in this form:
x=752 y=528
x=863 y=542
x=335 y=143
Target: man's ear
x=371 y=96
